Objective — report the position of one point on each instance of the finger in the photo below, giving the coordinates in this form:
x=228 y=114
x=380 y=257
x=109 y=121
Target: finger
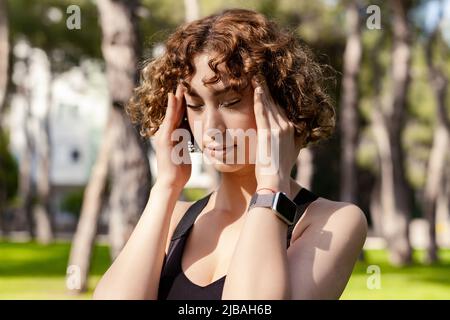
x=179 y=98
x=261 y=113
x=267 y=99
x=259 y=81
x=279 y=113
x=262 y=123
x=168 y=117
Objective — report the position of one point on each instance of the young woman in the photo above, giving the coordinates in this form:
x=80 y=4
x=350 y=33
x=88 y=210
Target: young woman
x=230 y=71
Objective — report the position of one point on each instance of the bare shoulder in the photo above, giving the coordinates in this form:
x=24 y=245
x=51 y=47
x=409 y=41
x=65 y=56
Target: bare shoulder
x=178 y=212
x=339 y=213
x=333 y=214
x=327 y=249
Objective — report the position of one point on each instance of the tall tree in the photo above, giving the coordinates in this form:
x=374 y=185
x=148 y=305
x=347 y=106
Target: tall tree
x=40 y=82
x=441 y=138
x=192 y=10
x=122 y=154
x=24 y=215
x=4 y=53
x=349 y=103
x=32 y=98
x=388 y=119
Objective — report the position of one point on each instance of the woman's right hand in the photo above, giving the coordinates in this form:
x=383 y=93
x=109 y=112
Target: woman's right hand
x=170 y=173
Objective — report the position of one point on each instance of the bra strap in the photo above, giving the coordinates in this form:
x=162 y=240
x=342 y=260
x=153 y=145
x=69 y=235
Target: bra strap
x=188 y=218
x=303 y=199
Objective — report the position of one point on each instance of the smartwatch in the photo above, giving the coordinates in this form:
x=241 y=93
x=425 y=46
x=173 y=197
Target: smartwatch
x=279 y=202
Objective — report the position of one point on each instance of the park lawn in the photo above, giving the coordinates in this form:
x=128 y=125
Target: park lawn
x=34 y=271
x=417 y=281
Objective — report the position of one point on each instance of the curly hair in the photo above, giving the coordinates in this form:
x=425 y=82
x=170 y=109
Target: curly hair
x=244 y=44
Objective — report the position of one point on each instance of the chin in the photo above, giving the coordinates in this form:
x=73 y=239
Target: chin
x=221 y=165
x=227 y=168
x=229 y=163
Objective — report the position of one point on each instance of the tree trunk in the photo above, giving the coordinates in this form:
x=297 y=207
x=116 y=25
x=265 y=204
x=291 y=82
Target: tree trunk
x=376 y=212
x=4 y=54
x=40 y=82
x=24 y=213
x=129 y=165
x=23 y=217
x=443 y=207
x=387 y=124
x=84 y=237
x=126 y=156
x=131 y=181
x=440 y=146
x=191 y=9
x=349 y=105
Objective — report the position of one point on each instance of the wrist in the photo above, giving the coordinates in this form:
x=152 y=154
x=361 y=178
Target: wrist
x=168 y=188
x=273 y=187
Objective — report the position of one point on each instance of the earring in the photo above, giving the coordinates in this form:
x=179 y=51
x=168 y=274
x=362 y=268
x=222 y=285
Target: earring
x=185 y=118
x=191 y=147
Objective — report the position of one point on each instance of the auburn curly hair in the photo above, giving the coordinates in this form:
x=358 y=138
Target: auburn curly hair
x=244 y=43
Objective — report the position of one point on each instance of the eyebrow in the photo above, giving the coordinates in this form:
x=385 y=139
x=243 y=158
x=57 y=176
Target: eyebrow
x=216 y=93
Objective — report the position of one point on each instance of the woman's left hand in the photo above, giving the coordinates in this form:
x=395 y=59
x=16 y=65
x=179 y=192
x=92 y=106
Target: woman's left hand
x=277 y=145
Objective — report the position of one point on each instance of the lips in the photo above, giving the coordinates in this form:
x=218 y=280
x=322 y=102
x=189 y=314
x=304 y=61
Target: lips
x=219 y=148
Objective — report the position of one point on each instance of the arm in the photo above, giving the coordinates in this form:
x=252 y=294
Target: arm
x=135 y=272
x=321 y=260
x=259 y=267
x=317 y=265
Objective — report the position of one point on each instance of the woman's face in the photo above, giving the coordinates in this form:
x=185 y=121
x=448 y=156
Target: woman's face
x=216 y=115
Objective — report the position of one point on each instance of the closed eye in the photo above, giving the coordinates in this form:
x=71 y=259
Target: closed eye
x=193 y=107
x=231 y=103
x=226 y=104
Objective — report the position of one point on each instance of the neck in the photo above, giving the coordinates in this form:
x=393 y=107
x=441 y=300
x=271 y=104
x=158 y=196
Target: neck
x=235 y=190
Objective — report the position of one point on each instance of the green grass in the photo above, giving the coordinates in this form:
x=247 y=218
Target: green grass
x=33 y=271
x=417 y=281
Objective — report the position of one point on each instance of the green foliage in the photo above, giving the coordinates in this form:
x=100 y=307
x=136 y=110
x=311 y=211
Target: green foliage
x=157 y=21
x=67 y=47
x=30 y=20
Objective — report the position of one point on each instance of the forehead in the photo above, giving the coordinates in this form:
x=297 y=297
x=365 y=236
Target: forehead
x=196 y=86
x=203 y=72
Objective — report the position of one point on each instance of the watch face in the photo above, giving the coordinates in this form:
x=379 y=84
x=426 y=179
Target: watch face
x=286 y=207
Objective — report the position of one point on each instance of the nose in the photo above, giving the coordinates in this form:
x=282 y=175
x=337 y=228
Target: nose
x=213 y=126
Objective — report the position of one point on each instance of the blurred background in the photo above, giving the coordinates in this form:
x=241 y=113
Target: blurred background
x=75 y=175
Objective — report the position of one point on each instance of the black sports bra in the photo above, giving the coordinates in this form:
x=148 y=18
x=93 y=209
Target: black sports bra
x=174 y=285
